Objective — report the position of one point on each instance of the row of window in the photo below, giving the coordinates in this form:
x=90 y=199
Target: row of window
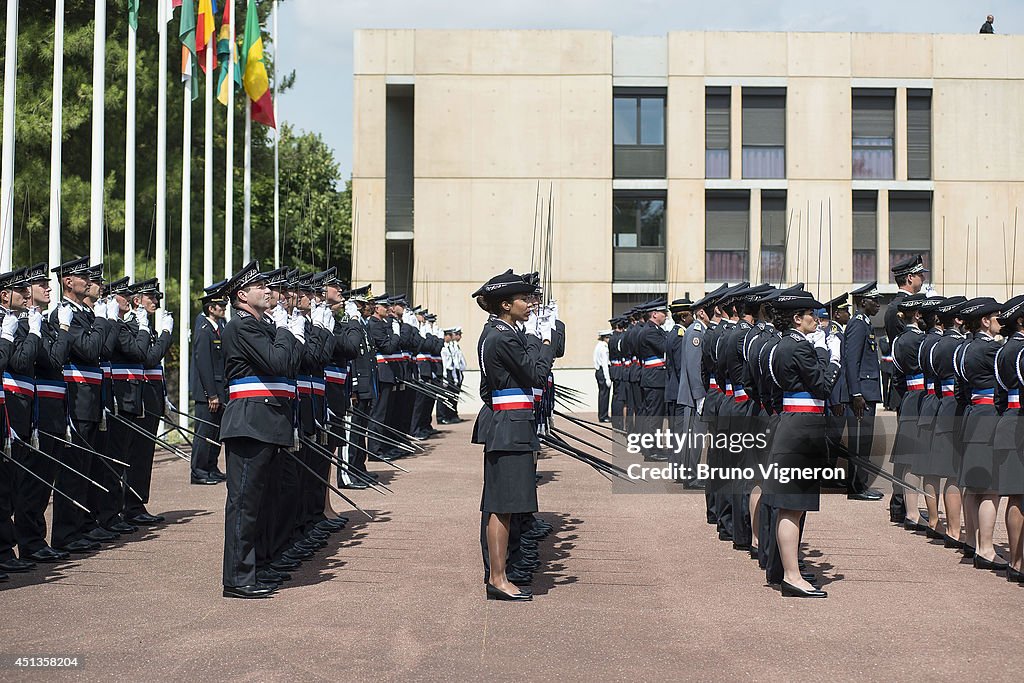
x=639 y=234
x=639 y=133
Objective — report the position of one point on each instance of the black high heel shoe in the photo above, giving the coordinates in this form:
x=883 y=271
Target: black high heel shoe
x=995 y=565
x=932 y=533
x=791 y=591
x=1014 y=576
x=950 y=542
x=495 y=594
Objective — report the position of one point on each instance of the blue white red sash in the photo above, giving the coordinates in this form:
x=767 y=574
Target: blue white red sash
x=511 y=399
x=310 y=386
x=915 y=382
x=335 y=375
x=261 y=387
x=983 y=397
x=654 y=362
x=801 y=402
x=127 y=371
x=83 y=374
x=19 y=384
x=51 y=388
x=739 y=394
x=1013 y=400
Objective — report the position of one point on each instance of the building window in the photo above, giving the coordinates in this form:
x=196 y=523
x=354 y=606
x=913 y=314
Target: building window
x=399 y=159
x=639 y=133
x=764 y=133
x=874 y=126
x=773 y=236
x=716 y=133
x=726 y=236
x=865 y=236
x=919 y=134
x=398 y=267
x=623 y=302
x=638 y=237
x=910 y=226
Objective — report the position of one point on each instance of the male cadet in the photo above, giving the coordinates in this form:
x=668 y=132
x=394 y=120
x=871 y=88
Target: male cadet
x=681 y=318
x=47 y=416
x=385 y=342
x=459 y=371
x=444 y=413
x=404 y=400
x=74 y=530
x=909 y=275
x=650 y=348
x=19 y=345
x=618 y=414
x=125 y=349
x=146 y=295
x=693 y=386
x=363 y=383
x=602 y=374
x=863 y=385
x=260 y=353
x=206 y=384
x=634 y=368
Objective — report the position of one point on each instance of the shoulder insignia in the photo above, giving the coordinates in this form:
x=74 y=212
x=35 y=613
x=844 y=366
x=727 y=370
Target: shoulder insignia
x=681 y=332
x=696 y=341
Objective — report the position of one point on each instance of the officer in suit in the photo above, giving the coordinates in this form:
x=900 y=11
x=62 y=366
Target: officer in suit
x=615 y=370
x=260 y=354
x=862 y=376
x=207 y=386
x=385 y=342
x=679 y=309
x=651 y=342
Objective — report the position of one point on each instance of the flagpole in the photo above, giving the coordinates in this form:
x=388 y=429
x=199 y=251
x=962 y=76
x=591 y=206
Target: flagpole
x=165 y=15
x=7 y=160
x=129 y=162
x=277 y=136
x=247 y=220
x=53 y=249
x=208 y=169
x=99 y=47
x=229 y=174
x=186 y=249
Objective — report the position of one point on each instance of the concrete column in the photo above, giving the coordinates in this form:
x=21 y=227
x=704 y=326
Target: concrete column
x=900 y=138
x=754 y=266
x=736 y=133
x=882 y=273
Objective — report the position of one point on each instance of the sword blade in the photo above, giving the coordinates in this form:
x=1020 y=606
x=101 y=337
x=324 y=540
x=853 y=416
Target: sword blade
x=329 y=485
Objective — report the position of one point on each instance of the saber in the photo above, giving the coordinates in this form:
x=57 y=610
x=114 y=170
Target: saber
x=47 y=484
x=561 y=432
x=593 y=458
x=319 y=450
x=360 y=448
x=360 y=431
x=571 y=454
x=417 y=388
x=18 y=439
x=843 y=452
x=186 y=430
x=593 y=431
x=388 y=427
x=151 y=437
x=433 y=389
x=83 y=448
x=581 y=422
x=163 y=435
x=170 y=407
x=329 y=485
x=103 y=459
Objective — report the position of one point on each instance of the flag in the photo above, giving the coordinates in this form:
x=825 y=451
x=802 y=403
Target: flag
x=204 y=32
x=254 y=77
x=187 y=35
x=225 y=50
x=133 y=14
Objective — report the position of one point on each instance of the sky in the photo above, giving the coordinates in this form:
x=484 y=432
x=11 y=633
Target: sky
x=315 y=36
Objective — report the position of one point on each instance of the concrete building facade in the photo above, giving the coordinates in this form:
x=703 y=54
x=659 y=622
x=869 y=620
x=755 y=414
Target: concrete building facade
x=681 y=161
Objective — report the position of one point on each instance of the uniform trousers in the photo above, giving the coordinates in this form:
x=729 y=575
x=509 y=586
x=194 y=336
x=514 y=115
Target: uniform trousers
x=603 y=396
x=861 y=437
x=618 y=405
x=31 y=496
x=314 y=491
x=379 y=414
x=355 y=455
x=119 y=441
x=140 y=474
x=249 y=466
x=69 y=522
x=204 y=453
x=281 y=506
x=7 y=536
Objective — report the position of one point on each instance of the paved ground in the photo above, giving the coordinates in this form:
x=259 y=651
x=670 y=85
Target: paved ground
x=635 y=587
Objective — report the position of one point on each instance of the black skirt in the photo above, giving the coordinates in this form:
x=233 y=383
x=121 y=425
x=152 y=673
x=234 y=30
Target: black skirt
x=798 y=442
x=1010 y=471
x=510 y=485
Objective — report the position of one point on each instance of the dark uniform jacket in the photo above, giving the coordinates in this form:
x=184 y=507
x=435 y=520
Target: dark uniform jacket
x=385 y=344
x=349 y=344
x=255 y=348
x=951 y=402
x=631 y=352
x=482 y=426
x=860 y=359
x=650 y=349
x=363 y=376
x=154 y=391
x=673 y=361
x=894 y=324
x=206 y=374
x=905 y=360
x=127 y=355
x=82 y=371
x=797 y=367
x=1008 y=431
x=692 y=380
x=19 y=379
x=977 y=369
x=514 y=363
x=615 y=357
x=311 y=385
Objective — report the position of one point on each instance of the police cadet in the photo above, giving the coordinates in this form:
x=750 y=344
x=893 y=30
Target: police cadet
x=453 y=367
x=631 y=369
x=679 y=309
x=602 y=375
x=651 y=340
x=260 y=353
x=363 y=383
x=909 y=275
x=207 y=385
x=1009 y=454
x=923 y=464
x=805 y=365
x=73 y=529
x=46 y=416
x=18 y=345
x=862 y=377
x=714 y=398
x=429 y=345
x=615 y=371
x=385 y=342
x=907 y=373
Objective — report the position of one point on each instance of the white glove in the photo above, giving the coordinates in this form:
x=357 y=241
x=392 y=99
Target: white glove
x=545 y=326
x=166 y=322
x=351 y=310
x=834 y=345
x=553 y=308
x=35 y=321
x=65 y=314
x=8 y=327
x=817 y=338
x=668 y=325
x=113 y=310
x=424 y=330
x=99 y=309
x=608 y=383
x=317 y=316
x=297 y=326
x=438 y=332
x=409 y=318
x=700 y=406
x=396 y=327
x=142 y=316
x=533 y=324
x=279 y=315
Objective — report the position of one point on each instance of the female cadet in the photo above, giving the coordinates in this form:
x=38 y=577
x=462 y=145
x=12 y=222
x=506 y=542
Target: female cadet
x=905 y=362
x=513 y=362
x=924 y=464
x=975 y=366
x=945 y=448
x=805 y=365
x=1007 y=442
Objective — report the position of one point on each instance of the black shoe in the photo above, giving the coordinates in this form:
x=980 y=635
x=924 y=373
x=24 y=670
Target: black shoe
x=102 y=535
x=724 y=535
x=296 y=554
x=495 y=594
x=145 y=519
x=753 y=553
x=1014 y=576
x=932 y=533
x=122 y=528
x=204 y=481
x=694 y=485
x=48 y=555
x=329 y=525
x=996 y=565
x=82 y=545
x=741 y=546
x=355 y=485
x=260 y=590
x=341 y=518
x=791 y=591
x=4 y=577
x=866 y=494
x=915 y=526
x=271 y=575
x=16 y=565
x=534 y=535
x=283 y=564
x=712 y=520
x=968 y=551
x=607 y=419
x=526 y=567
x=217 y=474
x=950 y=542
x=808 y=577
x=519 y=578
